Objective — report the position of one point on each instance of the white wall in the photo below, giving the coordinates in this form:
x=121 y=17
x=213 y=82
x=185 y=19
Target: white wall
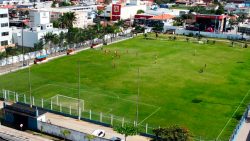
x=39 y=17
x=128 y=12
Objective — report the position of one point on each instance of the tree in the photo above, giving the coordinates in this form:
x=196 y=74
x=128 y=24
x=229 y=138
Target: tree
x=140 y=11
x=220 y=10
x=126 y=130
x=172 y=133
x=67 y=19
x=53 y=4
x=48 y=37
x=90 y=137
x=65 y=133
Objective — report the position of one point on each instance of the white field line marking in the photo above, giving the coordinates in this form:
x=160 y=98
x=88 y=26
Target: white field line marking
x=233 y=114
x=114 y=97
x=150 y=115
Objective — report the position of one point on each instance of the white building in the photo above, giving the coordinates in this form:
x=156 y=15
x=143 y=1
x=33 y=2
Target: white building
x=84 y=14
x=126 y=11
x=40 y=26
x=5 y=31
x=39 y=17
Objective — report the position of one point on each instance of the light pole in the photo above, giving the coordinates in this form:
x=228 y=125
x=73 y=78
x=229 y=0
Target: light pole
x=79 y=110
x=30 y=90
x=22 y=45
x=138 y=93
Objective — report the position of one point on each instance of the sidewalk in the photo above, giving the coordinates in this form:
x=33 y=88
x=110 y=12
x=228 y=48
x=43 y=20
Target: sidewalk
x=87 y=127
x=243 y=134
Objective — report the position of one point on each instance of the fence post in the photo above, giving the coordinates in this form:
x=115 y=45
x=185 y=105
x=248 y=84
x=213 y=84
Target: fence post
x=70 y=109
x=3 y=93
x=83 y=105
x=51 y=107
x=134 y=124
x=8 y=95
x=60 y=107
x=33 y=99
x=42 y=102
x=122 y=121
x=14 y=97
x=17 y=97
x=90 y=114
x=101 y=117
x=146 y=128
x=24 y=97
x=111 y=122
x=79 y=113
x=57 y=101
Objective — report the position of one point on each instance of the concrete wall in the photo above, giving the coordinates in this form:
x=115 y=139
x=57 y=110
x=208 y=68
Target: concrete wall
x=208 y=34
x=56 y=131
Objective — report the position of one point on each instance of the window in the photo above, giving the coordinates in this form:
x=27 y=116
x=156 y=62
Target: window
x=4 y=24
x=5 y=33
x=108 y=11
x=3 y=15
x=4 y=43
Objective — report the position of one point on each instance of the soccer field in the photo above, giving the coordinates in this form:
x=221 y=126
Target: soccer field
x=198 y=86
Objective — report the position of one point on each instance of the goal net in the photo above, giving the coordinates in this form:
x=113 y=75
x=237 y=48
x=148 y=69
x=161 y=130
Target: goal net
x=66 y=101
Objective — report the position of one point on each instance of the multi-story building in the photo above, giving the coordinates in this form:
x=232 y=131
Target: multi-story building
x=5 y=31
x=39 y=26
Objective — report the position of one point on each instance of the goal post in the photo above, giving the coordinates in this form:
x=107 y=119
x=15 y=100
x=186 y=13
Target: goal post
x=66 y=101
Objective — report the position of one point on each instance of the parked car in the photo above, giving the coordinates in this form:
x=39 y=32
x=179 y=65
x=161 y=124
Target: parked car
x=116 y=139
x=99 y=133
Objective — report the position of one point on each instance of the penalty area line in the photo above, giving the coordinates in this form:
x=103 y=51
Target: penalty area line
x=150 y=115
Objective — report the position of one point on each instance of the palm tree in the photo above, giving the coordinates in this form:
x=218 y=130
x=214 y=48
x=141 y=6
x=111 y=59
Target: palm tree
x=55 y=41
x=48 y=37
x=67 y=19
x=61 y=39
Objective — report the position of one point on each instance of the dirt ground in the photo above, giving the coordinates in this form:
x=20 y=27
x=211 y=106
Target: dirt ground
x=87 y=127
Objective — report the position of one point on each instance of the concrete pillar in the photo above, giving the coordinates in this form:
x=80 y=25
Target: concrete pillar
x=90 y=114
x=42 y=102
x=51 y=105
x=17 y=97
x=60 y=107
x=101 y=117
x=70 y=109
x=24 y=98
x=111 y=118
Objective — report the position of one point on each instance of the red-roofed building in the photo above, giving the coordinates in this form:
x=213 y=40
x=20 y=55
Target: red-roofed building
x=162 y=17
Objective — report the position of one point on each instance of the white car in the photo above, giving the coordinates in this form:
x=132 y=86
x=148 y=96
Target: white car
x=116 y=139
x=99 y=133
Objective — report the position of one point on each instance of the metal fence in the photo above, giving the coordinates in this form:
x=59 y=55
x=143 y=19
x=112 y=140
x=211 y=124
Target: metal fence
x=66 y=110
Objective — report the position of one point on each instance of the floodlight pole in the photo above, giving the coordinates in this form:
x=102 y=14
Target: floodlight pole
x=79 y=91
x=137 y=98
x=30 y=89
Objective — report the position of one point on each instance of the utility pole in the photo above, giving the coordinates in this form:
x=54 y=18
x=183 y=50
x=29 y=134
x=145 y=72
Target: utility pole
x=30 y=90
x=79 y=110
x=138 y=93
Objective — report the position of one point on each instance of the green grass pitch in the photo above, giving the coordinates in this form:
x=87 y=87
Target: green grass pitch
x=197 y=86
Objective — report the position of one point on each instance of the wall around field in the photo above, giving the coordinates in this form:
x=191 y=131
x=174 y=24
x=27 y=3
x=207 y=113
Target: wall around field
x=56 y=131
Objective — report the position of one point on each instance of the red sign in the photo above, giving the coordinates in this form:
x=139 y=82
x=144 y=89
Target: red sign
x=116 y=10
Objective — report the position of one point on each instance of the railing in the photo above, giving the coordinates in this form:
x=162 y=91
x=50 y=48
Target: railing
x=239 y=125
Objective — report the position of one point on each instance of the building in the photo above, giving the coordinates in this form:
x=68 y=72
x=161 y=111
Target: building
x=121 y=12
x=5 y=31
x=39 y=26
x=209 y=23
x=39 y=17
x=84 y=14
x=22 y=116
